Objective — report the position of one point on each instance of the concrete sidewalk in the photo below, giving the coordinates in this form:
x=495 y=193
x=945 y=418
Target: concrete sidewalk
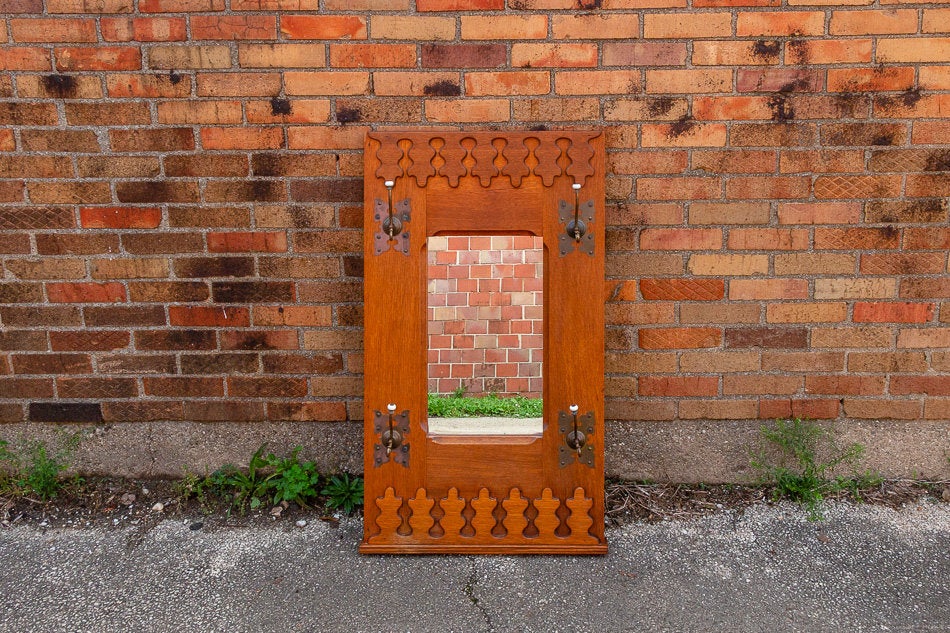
x=864 y=569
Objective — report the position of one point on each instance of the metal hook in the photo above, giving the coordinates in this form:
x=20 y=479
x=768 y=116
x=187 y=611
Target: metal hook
x=392 y=225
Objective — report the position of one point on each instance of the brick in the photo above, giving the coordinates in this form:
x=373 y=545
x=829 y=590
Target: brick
x=923 y=338
x=152 y=140
x=872 y=22
x=768 y=187
x=521 y=27
x=53 y=30
x=301 y=111
x=207 y=316
x=218 y=411
x=238 y=84
x=887 y=362
x=85 y=292
x=845 y=385
x=922 y=49
x=767 y=289
x=719 y=409
x=65 y=412
x=23 y=6
x=167 y=291
x=271 y=5
x=926 y=238
x=733 y=108
x=687 y=25
x=636 y=265
x=878 y=79
x=46 y=268
x=90 y=6
x=413 y=28
x=33 y=316
x=143 y=29
x=145 y=191
x=180 y=6
x=223 y=363
x=590 y=26
x=24 y=58
x=679 y=338
x=64 y=193
x=815 y=264
x=460 y=5
x=307 y=411
x=59 y=141
x=902 y=263
x=856 y=238
x=691 y=188
x=233 y=27
x=678 y=81
x=206 y=165
x=322 y=27
x=507 y=83
x=819 y=213
x=114 y=114
x=51 y=364
x=184 y=387
x=230 y=138
x=174 y=340
x=120 y=217
x=678 y=386
x=452 y=110
x=829 y=51
x=639 y=313
x=138 y=268
x=647 y=162
x=26 y=387
x=28 y=114
x=282 y=55
x=784 y=23
x=565 y=55
x=446 y=55
x=372 y=55
x=87 y=387
x=808 y=362
x=854 y=337
x=811 y=408
x=98 y=58
x=863 y=134
x=734 y=53
x=152 y=85
x=728 y=264
x=768 y=239
x=850 y=288
x=199 y=112
x=785 y=80
x=772 y=135
x=761 y=385
x=323 y=138
x=305 y=316
x=821 y=161
x=599 y=81
x=728 y=212
x=118 y=166
x=928 y=132
x=719 y=361
x=766 y=338
x=681 y=239
x=259 y=340
x=822 y=312
x=23 y=341
x=275 y=241
x=644 y=54
x=935 y=21
x=927 y=185
x=897 y=312
x=684 y=133
x=189 y=57
x=326 y=83
x=874 y=409
x=245 y=191
x=682 y=289
x=251 y=291
x=554 y=109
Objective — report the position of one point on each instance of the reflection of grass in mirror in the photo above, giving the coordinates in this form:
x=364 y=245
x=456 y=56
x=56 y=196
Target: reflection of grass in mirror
x=483 y=407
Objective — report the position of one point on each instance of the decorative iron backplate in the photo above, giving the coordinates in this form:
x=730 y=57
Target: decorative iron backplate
x=566 y=241
x=399 y=453
x=585 y=424
x=399 y=241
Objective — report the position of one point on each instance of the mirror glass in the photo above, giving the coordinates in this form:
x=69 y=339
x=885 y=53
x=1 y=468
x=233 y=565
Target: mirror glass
x=485 y=320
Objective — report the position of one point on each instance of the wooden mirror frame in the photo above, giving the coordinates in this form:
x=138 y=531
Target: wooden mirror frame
x=524 y=494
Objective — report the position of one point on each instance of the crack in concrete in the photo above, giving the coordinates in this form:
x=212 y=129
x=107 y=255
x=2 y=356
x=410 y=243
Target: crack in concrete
x=470 y=594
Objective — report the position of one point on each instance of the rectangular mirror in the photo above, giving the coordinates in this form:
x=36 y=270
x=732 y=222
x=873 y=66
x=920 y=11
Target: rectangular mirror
x=485 y=333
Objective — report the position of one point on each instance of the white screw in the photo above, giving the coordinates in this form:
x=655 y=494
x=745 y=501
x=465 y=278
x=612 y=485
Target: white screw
x=573 y=408
x=389 y=184
x=576 y=186
x=391 y=407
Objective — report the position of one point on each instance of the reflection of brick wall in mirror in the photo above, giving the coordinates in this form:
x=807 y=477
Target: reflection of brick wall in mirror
x=485 y=314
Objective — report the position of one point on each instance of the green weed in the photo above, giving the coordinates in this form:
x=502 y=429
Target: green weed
x=344 y=492
x=34 y=469
x=268 y=477
x=799 y=460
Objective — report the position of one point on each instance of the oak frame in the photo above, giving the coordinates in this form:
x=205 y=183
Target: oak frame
x=482 y=494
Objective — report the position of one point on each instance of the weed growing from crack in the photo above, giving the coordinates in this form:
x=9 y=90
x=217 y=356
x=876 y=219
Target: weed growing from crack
x=34 y=469
x=344 y=492
x=799 y=458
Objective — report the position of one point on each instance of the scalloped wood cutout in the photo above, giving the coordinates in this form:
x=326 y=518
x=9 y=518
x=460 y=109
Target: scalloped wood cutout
x=421 y=155
x=389 y=156
x=547 y=521
x=515 y=505
x=453 y=521
x=421 y=520
x=484 y=155
x=580 y=521
x=478 y=494
x=484 y=520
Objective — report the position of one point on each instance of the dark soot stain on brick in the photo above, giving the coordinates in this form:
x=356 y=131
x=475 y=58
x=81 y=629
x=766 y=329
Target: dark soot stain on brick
x=910 y=97
x=60 y=85
x=279 y=106
x=781 y=109
x=174 y=77
x=538 y=128
x=660 y=106
x=883 y=139
x=65 y=412
x=348 y=115
x=443 y=88
x=939 y=160
x=588 y=4
x=683 y=125
x=766 y=48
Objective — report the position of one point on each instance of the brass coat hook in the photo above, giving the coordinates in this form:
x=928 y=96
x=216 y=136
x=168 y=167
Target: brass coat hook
x=576 y=233
x=392 y=232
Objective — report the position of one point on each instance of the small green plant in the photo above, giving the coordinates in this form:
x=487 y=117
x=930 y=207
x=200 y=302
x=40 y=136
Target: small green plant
x=807 y=455
x=34 y=469
x=456 y=406
x=268 y=477
x=344 y=492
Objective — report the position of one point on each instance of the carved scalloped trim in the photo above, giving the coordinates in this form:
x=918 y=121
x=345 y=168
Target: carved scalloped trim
x=458 y=155
x=485 y=523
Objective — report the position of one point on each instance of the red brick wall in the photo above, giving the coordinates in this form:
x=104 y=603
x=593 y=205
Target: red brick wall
x=180 y=183
x=486 y=315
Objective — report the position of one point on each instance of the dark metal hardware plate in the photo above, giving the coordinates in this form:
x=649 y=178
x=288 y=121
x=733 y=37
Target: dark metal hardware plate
x=566 y=240
x=382 y=241
x=398 y=454
x=585 y=425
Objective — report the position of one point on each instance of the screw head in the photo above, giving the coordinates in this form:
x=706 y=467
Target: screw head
x=389 y=184
x=574 y=408
x=391 y=407
x=576 y=186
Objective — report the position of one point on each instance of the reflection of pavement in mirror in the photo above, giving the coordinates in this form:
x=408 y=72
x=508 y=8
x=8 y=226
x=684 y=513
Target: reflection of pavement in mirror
x=486 y=426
